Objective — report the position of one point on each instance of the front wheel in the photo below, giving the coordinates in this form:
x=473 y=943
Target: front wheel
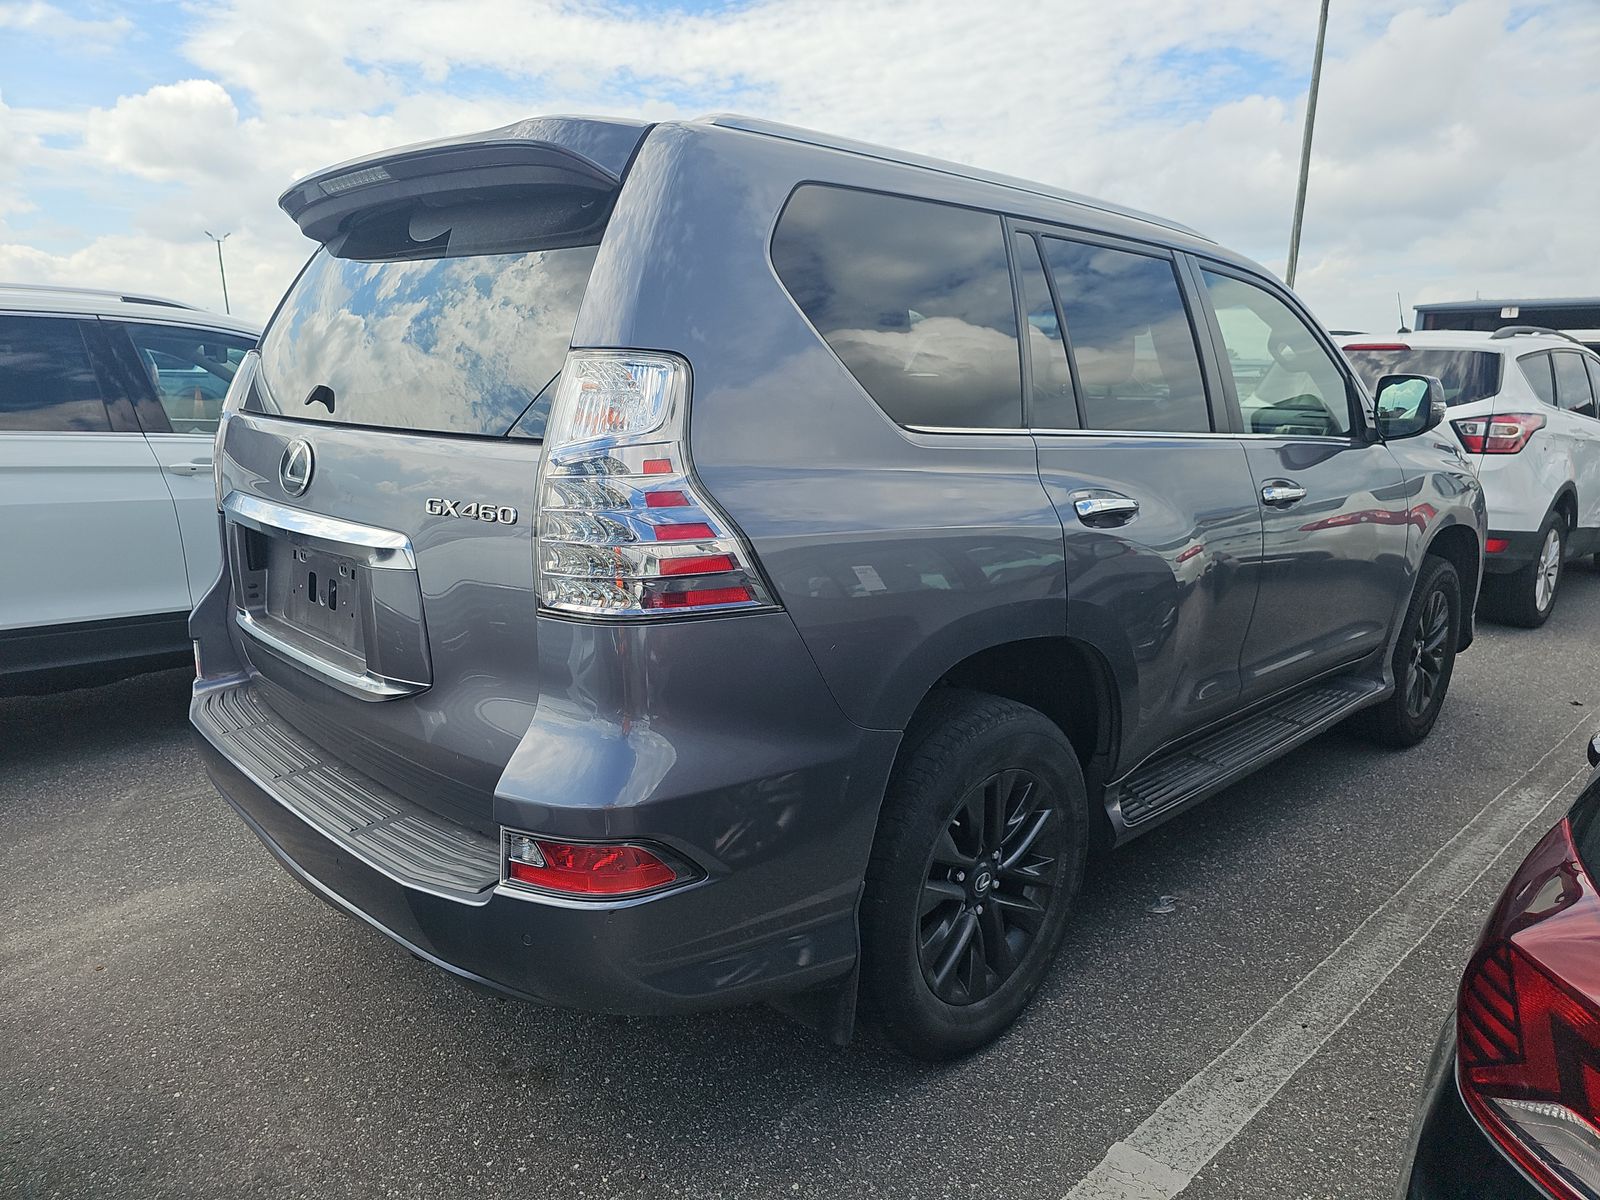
x=977 y=861
x=1424 y=659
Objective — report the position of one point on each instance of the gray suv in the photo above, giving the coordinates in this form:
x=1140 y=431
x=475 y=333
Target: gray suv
x=681 y=565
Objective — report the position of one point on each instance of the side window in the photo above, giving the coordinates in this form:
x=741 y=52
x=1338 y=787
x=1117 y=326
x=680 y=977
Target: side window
x=1286 y=382
x=190 y=370
x=46 y=381
x=1572 y=383
x=1536 y=370
x=1593 y=366
x=1131 y=339
x=914 y=297
x=1053 y=403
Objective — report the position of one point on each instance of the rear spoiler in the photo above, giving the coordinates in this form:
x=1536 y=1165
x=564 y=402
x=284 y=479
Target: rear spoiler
x=583 y=152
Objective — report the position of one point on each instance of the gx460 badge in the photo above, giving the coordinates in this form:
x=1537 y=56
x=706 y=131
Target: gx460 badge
x=472 y=510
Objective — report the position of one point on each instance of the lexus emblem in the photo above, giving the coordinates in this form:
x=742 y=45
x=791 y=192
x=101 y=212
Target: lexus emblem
x=294 y=470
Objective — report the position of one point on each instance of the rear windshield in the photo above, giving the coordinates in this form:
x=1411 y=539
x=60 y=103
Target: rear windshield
x=405 y=324
x=1467 y=375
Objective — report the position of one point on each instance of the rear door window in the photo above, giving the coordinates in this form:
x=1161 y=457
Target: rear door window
x=1054 y=404
x=1536 y=370
x=189 y=369
x=1572 y=383
x=47 y=383
x=914 y=297
x=440 y=320
x=1130 y=339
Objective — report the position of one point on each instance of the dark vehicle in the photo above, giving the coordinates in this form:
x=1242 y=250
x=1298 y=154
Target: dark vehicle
x=1511 y=1107
x=682 y=565
x=1577 y=315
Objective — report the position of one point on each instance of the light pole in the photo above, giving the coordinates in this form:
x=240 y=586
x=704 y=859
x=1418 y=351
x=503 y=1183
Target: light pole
x=1305 y=148
x=220 y=269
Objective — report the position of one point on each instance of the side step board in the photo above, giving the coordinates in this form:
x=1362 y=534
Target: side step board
x=1162 y=786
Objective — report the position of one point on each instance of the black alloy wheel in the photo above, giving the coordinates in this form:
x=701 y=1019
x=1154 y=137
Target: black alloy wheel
x=1429 y=645
x=989 y=884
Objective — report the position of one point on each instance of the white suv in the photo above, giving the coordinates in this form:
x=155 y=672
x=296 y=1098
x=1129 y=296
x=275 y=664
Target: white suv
x=108 y=522
x=1525 y=407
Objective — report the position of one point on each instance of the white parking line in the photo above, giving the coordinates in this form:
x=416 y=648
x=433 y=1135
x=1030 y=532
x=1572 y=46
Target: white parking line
x=1169 y=1147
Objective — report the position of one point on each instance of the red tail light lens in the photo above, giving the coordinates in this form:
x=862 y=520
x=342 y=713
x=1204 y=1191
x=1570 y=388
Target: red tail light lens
x=1496 y=545
x=1528 y=1039
x=596 y=870
x=1503 y=433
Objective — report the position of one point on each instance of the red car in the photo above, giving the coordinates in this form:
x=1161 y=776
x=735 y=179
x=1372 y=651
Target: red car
x=1512 y=1105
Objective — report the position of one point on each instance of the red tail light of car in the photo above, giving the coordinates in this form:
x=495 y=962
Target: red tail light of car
x=1503 y=433
x=1528 y=1022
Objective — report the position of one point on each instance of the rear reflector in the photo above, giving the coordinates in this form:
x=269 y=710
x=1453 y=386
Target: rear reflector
x=587 y=868
x=1496 y=545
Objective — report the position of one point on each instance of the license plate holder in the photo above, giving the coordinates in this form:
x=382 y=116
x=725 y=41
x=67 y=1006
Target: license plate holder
x=316 y=593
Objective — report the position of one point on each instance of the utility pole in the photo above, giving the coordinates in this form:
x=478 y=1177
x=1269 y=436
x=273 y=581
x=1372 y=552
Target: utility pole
x=1305 y=147
x=220 y=240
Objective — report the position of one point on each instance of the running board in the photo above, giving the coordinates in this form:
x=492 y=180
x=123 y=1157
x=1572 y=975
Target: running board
x=1161 y=787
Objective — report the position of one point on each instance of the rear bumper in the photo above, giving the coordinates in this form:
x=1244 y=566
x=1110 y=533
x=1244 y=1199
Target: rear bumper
x=711 y=943
x=1450 y=1157
x=1521 y=549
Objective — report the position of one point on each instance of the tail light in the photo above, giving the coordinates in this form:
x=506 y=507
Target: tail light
x=624 y=530
x=597 y=870
x=1503 y=433
x=1386 y=346
x=1527 y=1037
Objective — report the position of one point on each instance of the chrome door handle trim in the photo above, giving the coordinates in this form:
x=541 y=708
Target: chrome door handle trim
x=1282 y=493
x=1104 y=508
x=198 y=466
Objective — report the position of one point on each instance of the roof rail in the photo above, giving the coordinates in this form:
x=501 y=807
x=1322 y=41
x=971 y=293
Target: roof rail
x=1506 y=331
x=60 y=289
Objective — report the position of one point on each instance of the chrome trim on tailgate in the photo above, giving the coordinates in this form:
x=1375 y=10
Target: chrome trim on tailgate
x=383 y=549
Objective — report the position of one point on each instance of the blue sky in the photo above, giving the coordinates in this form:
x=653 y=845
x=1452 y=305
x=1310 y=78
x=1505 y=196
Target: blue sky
x=1456 y=149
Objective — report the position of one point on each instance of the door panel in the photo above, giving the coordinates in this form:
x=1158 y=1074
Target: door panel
x=1169 y=588
x=1335 y=507
x=1581 y=431
x=178 y=376
x=1332 y=570
x=87 y=528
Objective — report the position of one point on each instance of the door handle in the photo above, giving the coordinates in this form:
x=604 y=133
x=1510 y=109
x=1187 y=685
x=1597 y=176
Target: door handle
x=198 y=466
x=1104 y=509
x=1281 y=493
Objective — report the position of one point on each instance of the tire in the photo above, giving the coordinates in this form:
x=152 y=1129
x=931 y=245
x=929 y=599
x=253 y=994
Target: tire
x=976 y=774
x=1527 y=597
x=1424 y=659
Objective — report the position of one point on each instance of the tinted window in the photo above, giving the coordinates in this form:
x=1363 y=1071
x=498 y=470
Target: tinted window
x=190 y=370
x=46 y=382
x=1467 y=375
x=1286 y=382
x=1536 y=369
x=915 y=299
x=1593 y=366
x=1572 y=383
x=1053 y=403
x=451 y=319
x=1130 y=338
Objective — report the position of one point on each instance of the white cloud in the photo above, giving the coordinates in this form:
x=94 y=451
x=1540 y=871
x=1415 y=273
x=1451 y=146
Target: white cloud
x=51 y=22
x=1456 y=148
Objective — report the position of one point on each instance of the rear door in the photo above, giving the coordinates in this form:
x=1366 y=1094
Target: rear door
x=87 y=528
x=178 y=376
x=379 y=485
x=1580 y=418
x=1334 y=504
x=1155 y=496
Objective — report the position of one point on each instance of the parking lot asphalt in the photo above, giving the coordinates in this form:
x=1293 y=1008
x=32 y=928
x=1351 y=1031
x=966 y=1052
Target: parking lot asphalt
x=178 y=1018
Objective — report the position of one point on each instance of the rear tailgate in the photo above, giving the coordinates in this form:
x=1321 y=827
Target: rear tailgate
x=379 y=482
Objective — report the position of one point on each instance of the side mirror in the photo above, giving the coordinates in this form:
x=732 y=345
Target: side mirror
x=1409 y=405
